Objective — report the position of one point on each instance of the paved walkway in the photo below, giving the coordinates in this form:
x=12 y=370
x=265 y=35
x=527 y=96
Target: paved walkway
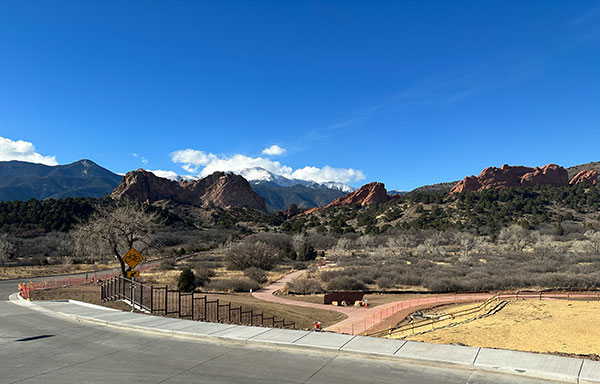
x=360 y=319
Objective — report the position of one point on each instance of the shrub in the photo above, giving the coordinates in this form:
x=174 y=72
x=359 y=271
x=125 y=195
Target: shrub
x=203 y=276
x=186 y=281
x=258 y=254
x=234 y=285
x=256 y=274
x=345 y=283
x=306 y=252
x=304 y=286
x=385 y=282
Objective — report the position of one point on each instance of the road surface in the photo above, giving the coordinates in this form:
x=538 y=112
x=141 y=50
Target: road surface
x=39 y=348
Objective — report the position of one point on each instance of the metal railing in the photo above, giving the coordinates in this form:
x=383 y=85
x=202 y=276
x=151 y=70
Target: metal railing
x=431 y=322
x=186 y=305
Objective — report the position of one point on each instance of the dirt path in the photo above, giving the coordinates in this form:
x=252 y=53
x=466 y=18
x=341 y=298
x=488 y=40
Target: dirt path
x=361 y=319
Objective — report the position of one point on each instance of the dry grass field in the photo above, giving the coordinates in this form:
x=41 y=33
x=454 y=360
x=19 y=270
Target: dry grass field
x=557 y=326
x=26 y=272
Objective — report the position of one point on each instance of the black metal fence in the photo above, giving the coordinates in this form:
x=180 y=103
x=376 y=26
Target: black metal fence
x=192 y=305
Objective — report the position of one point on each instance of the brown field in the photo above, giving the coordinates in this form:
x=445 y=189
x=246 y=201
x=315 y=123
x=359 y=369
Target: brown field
x=566 y=327
x=25 y=272
x=304 y=317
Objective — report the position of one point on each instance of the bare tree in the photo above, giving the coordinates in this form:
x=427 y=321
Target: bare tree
x=7 y=249
x=117 y=230
x=516 y=237
x=466 y=242
x=590 y=246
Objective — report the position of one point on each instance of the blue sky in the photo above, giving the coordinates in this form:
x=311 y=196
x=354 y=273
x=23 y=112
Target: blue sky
x=407 y=93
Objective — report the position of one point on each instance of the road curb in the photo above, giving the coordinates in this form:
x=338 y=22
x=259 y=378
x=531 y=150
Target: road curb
x=524 y=364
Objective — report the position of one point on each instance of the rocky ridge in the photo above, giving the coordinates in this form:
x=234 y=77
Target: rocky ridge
x=367 y=194
x=585 y=177
x=217 y=190
x=519 y=176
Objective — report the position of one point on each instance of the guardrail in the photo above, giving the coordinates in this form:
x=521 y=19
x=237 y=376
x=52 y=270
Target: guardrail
x=191 y=305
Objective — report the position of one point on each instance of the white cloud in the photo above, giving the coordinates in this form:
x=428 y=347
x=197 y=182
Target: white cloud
x=204 y=164
x=327 y=173
x=273 y=150
x=23 y=151
x=144 y=161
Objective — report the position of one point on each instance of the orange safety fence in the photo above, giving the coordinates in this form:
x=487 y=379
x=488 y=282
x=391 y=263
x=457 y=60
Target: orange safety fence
x=361 y=326
x=90 y=277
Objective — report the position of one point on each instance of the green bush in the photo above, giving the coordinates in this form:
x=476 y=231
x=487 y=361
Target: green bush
x=306 y=252
x=186 y=281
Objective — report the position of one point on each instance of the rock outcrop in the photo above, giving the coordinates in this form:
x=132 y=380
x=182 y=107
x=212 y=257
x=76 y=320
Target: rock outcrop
x=513 y=176
x=365 y=195
x=217 y=190
x=585 y=177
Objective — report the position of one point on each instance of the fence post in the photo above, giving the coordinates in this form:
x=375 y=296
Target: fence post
x=152 y=299
x=205 y=307
x=229 y=312
x=179 y=304
x=251 y=316
x=166 y=299
x=217 y=310
x=193 y=305
x=141 y=296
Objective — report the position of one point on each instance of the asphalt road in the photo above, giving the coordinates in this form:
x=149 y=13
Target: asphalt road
x=39 y=348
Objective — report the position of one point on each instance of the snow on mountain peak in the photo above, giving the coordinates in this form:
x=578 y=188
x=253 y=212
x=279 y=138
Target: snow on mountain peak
x=259 y=175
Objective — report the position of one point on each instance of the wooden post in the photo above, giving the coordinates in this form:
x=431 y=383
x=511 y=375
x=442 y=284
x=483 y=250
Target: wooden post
x=229 y=312
x=205 y=306
x=152 y=299
x=251 y=316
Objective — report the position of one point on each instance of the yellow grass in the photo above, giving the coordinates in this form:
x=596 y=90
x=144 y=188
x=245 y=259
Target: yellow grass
x=531 y=325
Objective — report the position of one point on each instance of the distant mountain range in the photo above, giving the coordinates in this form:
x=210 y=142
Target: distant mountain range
x=280 y=192
x=20 y=180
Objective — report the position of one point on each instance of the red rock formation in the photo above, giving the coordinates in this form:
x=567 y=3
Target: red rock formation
x=585 y=177
x=469 y=183
x=367 y=194
x=291 y=212
x=550 y=174
x=513 y=176
x=217 y=190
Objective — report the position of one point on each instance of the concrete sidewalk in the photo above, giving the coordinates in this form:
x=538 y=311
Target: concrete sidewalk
x=548 y=367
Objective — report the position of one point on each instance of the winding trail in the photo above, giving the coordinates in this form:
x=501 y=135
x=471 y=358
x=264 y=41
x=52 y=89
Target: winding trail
x=361 y=319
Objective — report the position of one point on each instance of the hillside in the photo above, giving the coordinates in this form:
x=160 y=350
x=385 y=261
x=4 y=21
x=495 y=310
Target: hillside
x=20 y=180
x=279 y=198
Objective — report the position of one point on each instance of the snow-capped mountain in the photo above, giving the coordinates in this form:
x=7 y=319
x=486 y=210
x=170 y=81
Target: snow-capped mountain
x=258 y=176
